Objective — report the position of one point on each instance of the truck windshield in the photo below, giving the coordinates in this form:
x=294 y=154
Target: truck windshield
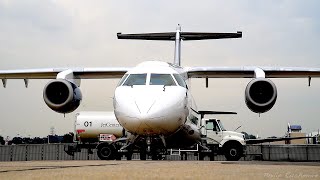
x=221 y=126
x=162 y=79
x=135 y=79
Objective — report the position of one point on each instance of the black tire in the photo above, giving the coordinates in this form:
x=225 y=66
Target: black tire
x=118 y=157
x=212 y=154
x=156 y=157
x=129 y=156
x=143 y=156
x=233 y=151
x=106 y=152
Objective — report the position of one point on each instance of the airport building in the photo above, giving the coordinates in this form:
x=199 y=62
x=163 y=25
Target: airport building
x=295 y=131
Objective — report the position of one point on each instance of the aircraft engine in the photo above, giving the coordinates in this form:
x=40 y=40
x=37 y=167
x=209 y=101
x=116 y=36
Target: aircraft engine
x=62 y=96
x=260 y=95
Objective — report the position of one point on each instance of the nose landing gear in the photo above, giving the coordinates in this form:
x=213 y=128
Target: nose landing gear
x=156 y=147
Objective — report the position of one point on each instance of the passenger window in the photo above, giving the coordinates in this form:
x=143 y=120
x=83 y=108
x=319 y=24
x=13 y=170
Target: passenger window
x=162 y=79
x=180 y=81
x=135 y=79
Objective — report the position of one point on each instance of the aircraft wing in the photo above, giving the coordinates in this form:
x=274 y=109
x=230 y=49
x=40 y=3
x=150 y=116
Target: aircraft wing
x=259 y=141
x=249 y=72
x=51 y=73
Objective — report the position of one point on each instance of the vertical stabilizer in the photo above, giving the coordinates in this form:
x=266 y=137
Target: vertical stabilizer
x=177 y=50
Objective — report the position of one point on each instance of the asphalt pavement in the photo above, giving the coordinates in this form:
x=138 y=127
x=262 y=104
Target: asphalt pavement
x=159 y=170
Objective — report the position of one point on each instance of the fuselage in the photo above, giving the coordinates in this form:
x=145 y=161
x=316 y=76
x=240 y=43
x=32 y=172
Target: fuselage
x=152 y=99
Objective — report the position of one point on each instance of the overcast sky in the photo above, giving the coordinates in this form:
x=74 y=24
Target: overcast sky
x=43 y=33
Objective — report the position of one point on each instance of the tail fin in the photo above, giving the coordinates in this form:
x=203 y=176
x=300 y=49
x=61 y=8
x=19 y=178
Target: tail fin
x=178 y=36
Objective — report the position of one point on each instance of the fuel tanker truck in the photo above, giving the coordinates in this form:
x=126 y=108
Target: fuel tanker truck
x=97 y=130
x=95 y=126
x=100 y=131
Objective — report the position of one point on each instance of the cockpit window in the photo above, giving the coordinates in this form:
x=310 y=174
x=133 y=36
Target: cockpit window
x=162 y=79
x=122 y=79
x=179 y=80
x=135 y=79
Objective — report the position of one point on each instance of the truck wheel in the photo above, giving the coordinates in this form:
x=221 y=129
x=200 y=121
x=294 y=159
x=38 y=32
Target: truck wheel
x=233 y=152
x=106 y=152
x=212 y=154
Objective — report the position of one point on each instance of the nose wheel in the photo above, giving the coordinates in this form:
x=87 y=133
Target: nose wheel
x=154 y=148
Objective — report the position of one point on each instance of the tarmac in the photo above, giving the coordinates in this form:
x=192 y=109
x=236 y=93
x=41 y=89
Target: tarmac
x=137 y=169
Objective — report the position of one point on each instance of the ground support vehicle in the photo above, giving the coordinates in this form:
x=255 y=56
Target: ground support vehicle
x=101 y=131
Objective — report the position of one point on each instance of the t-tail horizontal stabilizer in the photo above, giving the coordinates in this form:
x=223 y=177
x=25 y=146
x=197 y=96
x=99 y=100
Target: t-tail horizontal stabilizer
x=178 y=36
x=186 y=36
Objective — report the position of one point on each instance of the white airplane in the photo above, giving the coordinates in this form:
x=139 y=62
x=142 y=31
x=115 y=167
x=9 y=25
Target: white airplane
x=152 y=100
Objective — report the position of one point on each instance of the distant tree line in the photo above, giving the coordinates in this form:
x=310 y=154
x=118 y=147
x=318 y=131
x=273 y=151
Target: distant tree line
x=2 y=142
x=67 y=138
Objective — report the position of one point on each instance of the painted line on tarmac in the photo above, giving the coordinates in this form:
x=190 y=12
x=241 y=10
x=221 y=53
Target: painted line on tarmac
x=53 y=167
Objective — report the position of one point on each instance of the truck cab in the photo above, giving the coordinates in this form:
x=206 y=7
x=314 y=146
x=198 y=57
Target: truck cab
x=229 y=143
x=213 y=130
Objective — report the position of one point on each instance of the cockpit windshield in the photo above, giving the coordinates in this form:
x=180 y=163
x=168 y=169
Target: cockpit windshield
x=180 y=80
x=135 y=79
x=162 y=79
x=123 y=79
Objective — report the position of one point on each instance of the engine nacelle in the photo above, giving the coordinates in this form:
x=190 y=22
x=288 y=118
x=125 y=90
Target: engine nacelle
x=62 y=96
x=260 y=95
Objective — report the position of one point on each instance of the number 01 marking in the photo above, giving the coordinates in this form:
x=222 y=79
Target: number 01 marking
x=87 y=123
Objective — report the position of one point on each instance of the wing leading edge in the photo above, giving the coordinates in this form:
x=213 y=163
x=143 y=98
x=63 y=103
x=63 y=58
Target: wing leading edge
x=193 y=72
x=249 y=72
x=73 y=74
x=51 y=73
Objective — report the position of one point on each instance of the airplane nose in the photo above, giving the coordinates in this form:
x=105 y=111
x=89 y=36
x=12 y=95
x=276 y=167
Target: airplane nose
x=144 y=104
x=151 y=111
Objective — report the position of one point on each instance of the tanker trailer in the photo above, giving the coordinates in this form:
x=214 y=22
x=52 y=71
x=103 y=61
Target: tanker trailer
x=96 y=130
x=95 y=126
